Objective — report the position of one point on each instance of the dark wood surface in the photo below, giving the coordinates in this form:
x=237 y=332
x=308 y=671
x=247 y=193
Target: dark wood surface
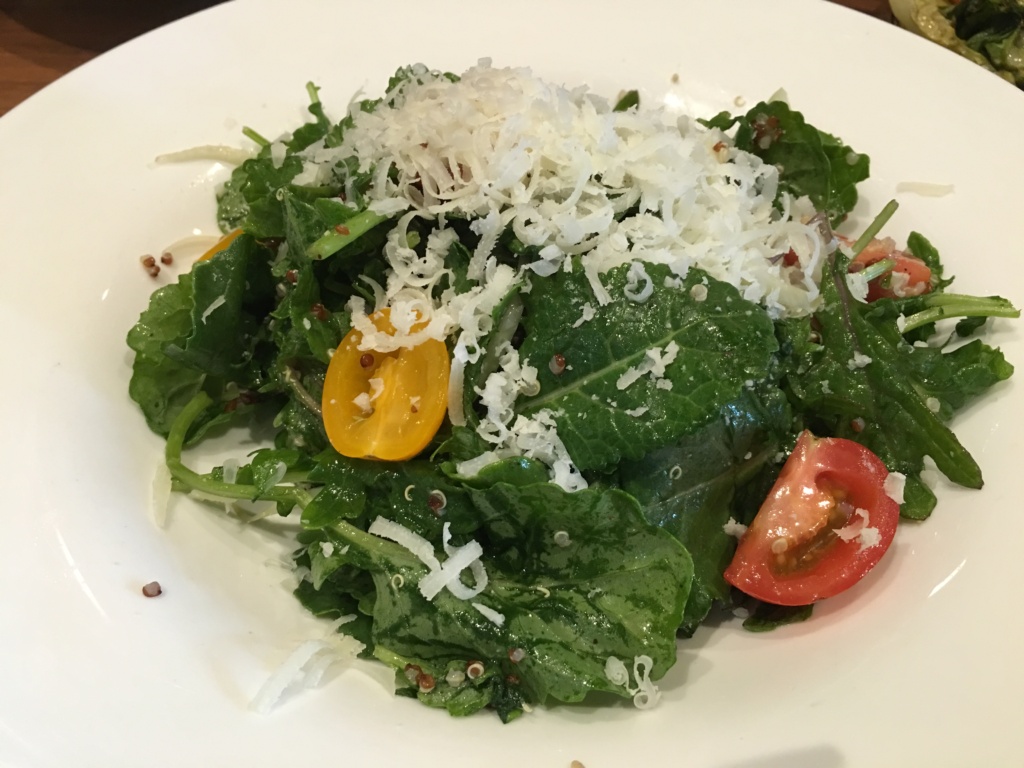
x=40 y=40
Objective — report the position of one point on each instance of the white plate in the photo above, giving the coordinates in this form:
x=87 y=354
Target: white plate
x=918 y=665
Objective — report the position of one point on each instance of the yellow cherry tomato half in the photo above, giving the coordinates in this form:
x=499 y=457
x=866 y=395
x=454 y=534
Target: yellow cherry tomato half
x=385 y=405
x=220 y=245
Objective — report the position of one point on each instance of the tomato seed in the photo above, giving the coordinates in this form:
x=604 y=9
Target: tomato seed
x=557 y=364
x=341 y=229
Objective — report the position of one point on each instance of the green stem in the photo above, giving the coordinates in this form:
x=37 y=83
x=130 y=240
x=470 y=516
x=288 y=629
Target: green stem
x=943 y=305
x=875 y=227
x=199 y=482
x=354 y=228
x=314 y=93
x=251 y=134
x=878 y=269
x=292 y=379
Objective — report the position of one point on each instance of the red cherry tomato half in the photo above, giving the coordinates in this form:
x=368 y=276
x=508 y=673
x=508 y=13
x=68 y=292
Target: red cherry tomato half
x=825 y=524
x=909 y=277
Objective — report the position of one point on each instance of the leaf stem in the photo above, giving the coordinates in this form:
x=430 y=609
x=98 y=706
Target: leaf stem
x=251 y=134
x=291 y=378
x=943 y=305
x=875 y=227
x=207 y=484
x=878 y=269
x=353 y=229
x=314 y=92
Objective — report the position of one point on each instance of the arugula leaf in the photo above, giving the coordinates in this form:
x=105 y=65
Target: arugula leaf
x=723 y=342
x=232 y=293
x=810 y=162
x=627 y=100
x=861 y=379
x=248 y=199
x=313 y=131
x=162 y=386
x=765 y=617
x=919 y=246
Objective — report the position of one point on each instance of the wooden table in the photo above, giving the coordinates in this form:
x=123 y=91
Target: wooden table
x=40 y=40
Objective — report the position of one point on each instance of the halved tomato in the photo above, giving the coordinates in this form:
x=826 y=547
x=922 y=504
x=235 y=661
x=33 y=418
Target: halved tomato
x=909 y=277
x=385 y=405
x=827 y=522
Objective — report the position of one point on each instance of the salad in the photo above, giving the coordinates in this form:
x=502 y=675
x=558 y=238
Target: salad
x=988 y=32
x=552 y=379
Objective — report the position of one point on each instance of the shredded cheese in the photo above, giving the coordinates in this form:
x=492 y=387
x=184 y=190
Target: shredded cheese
x=581 y=184
x=644 y=692
x=894 y=486
x=860 y=530
x=858 y=361
x=733 y=528
x=446 y=576
x=214 y=305
x=498 y=619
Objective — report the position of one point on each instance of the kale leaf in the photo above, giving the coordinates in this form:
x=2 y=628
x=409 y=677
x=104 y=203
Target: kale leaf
x=689 y=488
x=578 y=577
x=606 y=407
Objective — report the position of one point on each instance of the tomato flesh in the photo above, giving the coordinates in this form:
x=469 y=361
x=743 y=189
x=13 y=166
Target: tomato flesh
x=826 y=522
x=909 y=277
x=385 y=405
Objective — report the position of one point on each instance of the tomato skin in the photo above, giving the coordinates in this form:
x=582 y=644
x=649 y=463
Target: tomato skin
x=917 y=274
x=409 y=408
x=821 y=484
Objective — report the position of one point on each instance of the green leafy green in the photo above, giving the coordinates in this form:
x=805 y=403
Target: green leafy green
x=690 y=488
x=577 y=577
x=766 y=617
x=994 y=29
x=231 y=295
x=674 y=397
x=610 y=402
x=857 y=377
x=810 y=162
x=159 y=384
